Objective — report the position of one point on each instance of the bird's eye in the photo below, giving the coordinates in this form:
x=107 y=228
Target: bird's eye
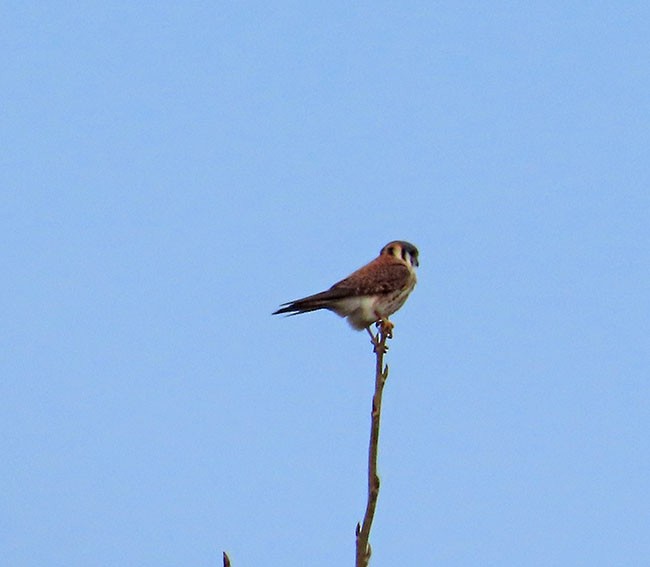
x=404 y=253
x=390 y=250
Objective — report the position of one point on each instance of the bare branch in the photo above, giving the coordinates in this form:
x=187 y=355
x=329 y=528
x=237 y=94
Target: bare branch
x=381 y=374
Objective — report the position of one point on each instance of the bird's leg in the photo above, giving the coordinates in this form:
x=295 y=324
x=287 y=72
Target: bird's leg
x=379 y=340
x=386 y=326
x=376 y=341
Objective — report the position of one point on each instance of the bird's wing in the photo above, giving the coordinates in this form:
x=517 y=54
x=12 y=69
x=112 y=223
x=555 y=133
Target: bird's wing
x=376 y=278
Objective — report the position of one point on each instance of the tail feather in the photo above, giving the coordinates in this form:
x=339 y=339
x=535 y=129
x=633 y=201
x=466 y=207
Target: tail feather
x=300 y=306
x=322 y=300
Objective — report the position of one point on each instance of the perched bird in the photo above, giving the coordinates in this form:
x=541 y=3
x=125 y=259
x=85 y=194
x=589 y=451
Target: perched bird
x=369 y=295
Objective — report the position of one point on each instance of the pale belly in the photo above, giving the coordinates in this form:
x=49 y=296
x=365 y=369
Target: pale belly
x=363 y=311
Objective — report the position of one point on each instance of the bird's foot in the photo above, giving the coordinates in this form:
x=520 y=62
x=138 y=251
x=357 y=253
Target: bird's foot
x=385 y=327
x=377 y=342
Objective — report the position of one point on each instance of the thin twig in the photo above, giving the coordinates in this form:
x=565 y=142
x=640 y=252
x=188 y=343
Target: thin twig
x=226 y=560
x=381 y=373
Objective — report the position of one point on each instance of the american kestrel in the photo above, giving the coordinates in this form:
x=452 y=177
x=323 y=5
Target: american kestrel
x=369 y=295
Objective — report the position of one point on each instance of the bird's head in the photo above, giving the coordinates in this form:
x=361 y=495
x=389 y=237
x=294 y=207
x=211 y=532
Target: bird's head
x=403 y=250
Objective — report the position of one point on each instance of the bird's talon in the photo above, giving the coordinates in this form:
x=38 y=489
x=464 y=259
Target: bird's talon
x=383 y=349
x=386 y=327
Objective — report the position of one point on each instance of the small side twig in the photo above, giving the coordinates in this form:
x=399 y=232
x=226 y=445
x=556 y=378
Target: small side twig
x=226 y=560
x=381 y=374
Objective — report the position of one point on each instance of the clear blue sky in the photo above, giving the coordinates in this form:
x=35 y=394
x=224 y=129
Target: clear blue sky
x=171 y=172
